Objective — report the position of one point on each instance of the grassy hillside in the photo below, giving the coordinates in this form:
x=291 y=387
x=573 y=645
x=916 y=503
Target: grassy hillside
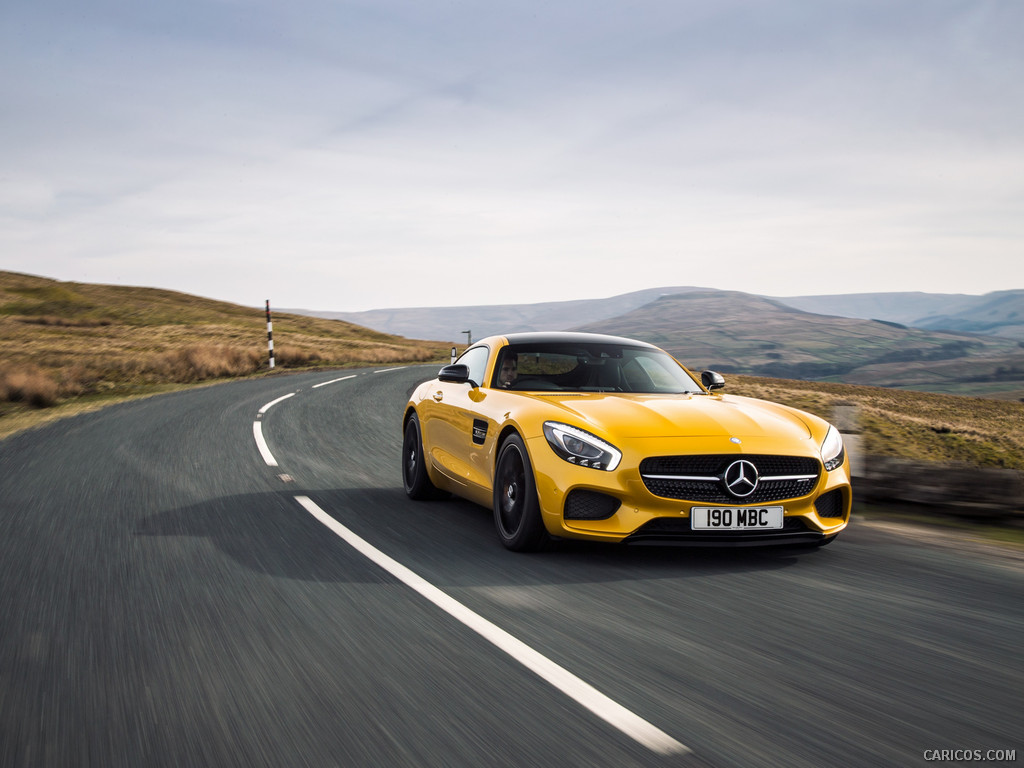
x=73 y=345
x=60 y=341
x=912 y=425
x=742 y=333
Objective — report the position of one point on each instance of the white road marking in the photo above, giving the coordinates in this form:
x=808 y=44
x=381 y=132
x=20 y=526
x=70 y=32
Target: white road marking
x=334 y=381
x=585 y=694
x=267 y=407
x=385 y=370
x=257 y=432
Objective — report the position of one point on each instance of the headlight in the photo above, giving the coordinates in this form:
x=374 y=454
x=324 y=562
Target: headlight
x=832 y=450
x=581 y=448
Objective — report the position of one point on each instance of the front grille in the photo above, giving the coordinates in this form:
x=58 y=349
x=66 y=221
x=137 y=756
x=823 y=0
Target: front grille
x=698 y=477
x=830 y=504
x=590 y=505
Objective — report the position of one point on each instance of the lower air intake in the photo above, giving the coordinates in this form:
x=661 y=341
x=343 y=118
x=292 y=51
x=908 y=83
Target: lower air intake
x=590 y=505
x=830 y=504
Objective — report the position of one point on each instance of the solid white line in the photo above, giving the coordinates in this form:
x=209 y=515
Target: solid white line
x=611 y=712
x=335 y=381
x=267 y=407
x=385 y=370
x=257 y=432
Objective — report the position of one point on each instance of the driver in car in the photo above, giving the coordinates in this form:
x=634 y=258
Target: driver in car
x=509 y=372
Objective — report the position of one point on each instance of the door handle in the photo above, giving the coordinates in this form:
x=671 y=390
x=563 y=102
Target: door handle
x=439 y=396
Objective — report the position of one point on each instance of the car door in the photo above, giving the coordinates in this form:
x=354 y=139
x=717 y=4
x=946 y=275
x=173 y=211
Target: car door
x=453 y=427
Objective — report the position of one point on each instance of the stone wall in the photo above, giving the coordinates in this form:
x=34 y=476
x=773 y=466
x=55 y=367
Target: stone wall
x=945 y=488
x=956 y=489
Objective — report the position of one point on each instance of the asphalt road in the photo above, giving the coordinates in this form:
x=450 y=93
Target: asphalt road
x=165 y=599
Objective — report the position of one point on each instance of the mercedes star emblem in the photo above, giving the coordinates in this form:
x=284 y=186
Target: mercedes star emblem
x=740 y=478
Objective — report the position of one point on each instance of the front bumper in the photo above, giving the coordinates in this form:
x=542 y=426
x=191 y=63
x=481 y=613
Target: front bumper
x=642 y=517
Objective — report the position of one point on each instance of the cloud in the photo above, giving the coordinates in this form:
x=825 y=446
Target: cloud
x=349 y=156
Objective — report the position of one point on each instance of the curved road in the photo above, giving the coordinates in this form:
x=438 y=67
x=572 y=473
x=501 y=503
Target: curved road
x=168 y=596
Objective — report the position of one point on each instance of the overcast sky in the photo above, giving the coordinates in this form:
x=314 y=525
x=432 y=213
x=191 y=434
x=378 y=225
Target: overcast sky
x=343 y=156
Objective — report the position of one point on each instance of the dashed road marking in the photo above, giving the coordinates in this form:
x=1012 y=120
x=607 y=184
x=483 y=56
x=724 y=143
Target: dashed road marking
x=334 y=381
x=272 y=403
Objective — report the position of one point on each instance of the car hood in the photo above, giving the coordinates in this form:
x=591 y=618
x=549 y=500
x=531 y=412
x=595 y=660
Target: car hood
x=637 y=416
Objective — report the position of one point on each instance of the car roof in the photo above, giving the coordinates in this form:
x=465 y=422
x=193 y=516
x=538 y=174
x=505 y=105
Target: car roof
x=562 y=337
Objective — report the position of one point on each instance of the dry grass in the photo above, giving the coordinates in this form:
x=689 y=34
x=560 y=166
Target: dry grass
x=914 y=425
x=61 y=342
x=65 y=345
x=28 y=385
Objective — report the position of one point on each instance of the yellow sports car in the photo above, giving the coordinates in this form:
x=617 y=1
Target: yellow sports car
x=584 y=436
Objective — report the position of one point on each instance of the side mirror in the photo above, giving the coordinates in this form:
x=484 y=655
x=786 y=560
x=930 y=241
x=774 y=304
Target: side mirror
x=456 y=373
x=712 y=380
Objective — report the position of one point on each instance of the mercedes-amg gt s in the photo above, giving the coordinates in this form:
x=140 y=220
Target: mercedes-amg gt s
x=596 y=437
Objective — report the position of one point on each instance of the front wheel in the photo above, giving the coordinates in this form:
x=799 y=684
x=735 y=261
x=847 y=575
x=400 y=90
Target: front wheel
x=414 y=464
x=516 y=508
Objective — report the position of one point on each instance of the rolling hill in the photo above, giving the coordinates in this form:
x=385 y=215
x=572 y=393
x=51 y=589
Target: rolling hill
x=932 y=342
x=451 y=323
x=61 y=340
x=997 y=314
x=79 y=346
x=994 y=314
x=742 y=333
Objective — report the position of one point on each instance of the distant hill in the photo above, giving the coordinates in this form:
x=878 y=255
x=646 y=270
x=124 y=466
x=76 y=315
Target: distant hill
x=933 y=342
x=742 y=333
x=898 y=307
x=451 y=323
x=995 y=314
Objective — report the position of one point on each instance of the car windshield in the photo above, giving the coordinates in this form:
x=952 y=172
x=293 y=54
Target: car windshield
x=591 y=367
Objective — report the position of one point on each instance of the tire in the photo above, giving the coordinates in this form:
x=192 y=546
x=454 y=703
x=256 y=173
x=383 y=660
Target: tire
x=414 y=465
x=516 y=508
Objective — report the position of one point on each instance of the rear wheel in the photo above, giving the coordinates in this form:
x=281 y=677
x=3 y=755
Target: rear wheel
x=516 y=508
x=414 y=464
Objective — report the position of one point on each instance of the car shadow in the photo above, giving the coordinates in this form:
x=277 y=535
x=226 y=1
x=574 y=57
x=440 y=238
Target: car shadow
x=268 y=533
x=450 y=542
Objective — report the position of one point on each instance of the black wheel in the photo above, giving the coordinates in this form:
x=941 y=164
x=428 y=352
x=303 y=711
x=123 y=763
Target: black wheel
x=516 y=509
x=414 y=464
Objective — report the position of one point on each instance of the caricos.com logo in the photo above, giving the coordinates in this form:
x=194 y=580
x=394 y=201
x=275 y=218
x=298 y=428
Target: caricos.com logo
x=971 y=755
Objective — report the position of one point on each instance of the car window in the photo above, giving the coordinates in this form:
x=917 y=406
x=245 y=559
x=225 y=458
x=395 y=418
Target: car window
x=595 y=367
x=651 y=371
x=475 y=358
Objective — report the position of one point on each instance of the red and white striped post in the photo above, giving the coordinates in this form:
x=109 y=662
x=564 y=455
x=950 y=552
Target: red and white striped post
x=270 y=336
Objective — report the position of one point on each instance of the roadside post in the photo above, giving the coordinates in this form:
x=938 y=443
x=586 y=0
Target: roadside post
x=270 y=337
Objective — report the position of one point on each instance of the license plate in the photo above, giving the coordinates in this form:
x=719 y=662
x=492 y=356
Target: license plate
x=736 y=518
